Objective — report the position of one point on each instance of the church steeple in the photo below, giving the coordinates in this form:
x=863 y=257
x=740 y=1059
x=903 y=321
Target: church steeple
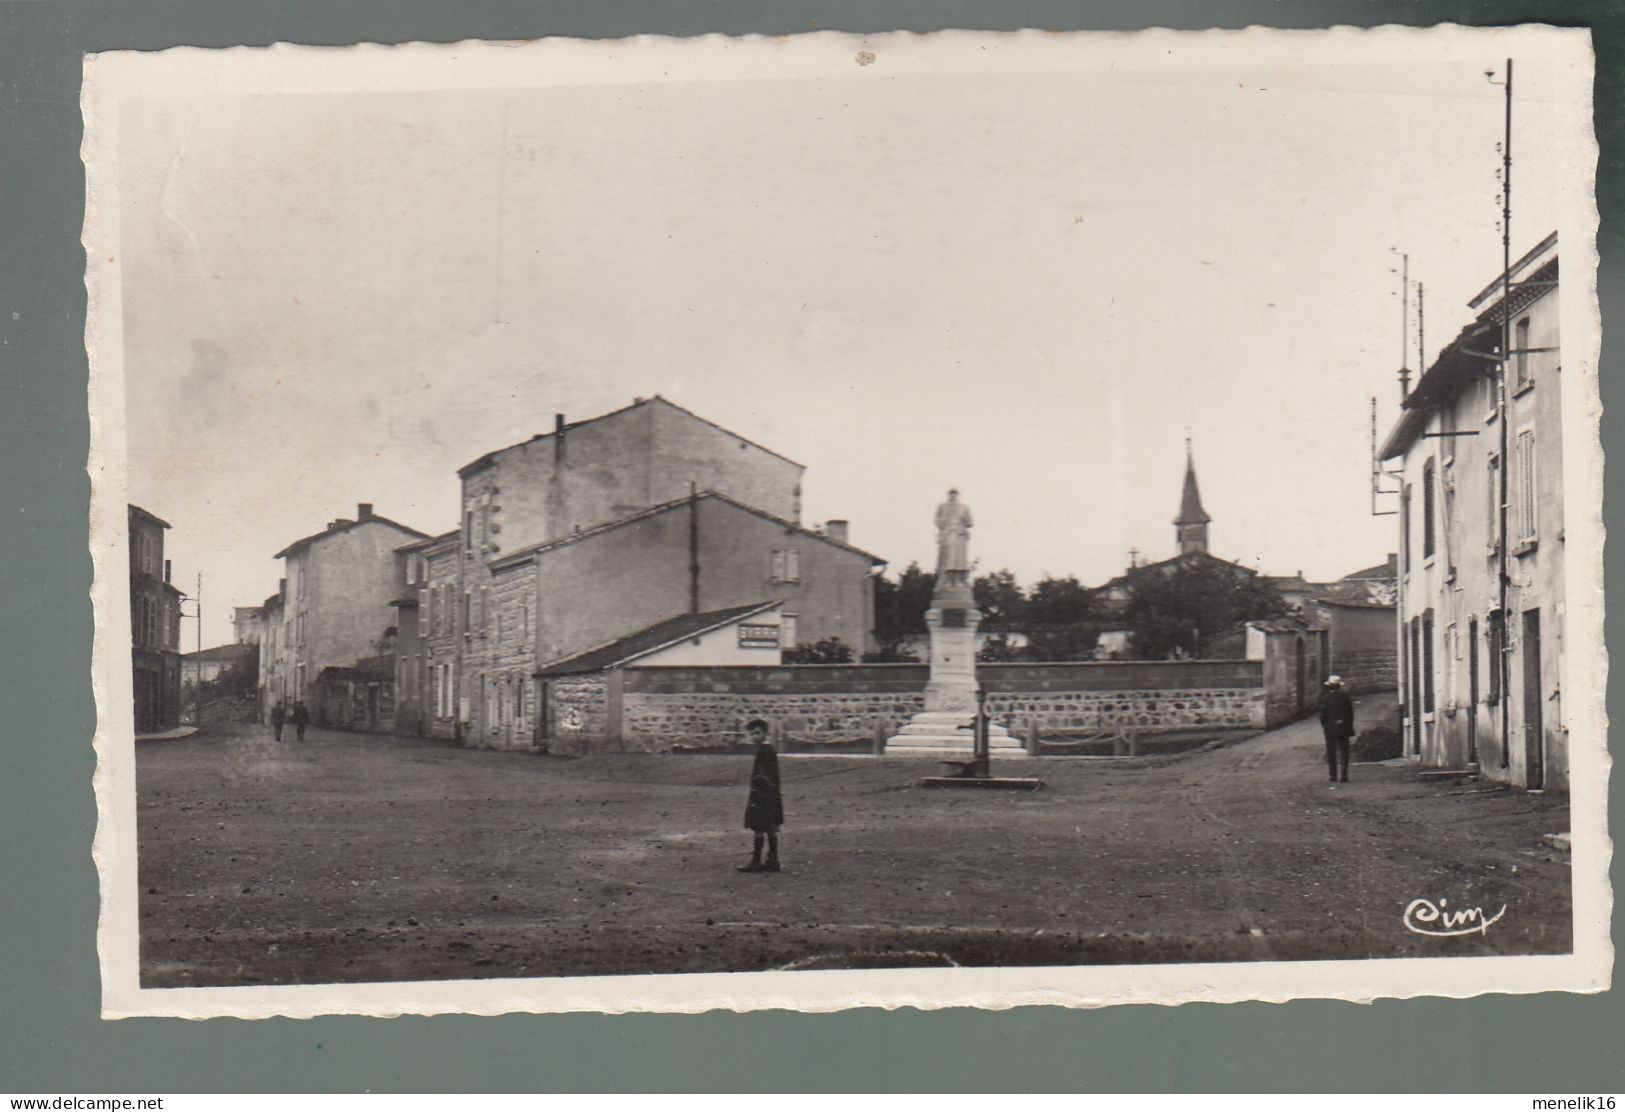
x=1191 y=524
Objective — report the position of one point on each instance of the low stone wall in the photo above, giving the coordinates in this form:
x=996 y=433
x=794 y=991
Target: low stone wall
x=233 y=708
x=663 y=707
x=1148 y=696
x=806 y=704
x=652 y=722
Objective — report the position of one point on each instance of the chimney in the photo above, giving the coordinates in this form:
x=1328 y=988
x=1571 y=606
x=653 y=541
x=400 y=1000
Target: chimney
x=835 y=529
x=363 y=510
x=166 y=571
x=558 y=438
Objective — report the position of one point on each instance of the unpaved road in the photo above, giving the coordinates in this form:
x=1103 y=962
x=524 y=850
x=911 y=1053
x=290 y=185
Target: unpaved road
x=364 y=858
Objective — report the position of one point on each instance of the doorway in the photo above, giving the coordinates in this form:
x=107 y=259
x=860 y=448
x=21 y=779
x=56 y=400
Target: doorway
x=1534 y=733
x=1472 y=691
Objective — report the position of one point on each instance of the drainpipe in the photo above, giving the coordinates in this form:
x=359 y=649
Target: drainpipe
x=1505 y=415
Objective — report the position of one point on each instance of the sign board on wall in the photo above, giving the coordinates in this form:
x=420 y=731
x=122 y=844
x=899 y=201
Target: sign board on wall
x=758 y=636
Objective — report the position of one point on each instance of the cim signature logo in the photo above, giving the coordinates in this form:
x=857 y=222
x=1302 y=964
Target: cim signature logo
x=1437 y=920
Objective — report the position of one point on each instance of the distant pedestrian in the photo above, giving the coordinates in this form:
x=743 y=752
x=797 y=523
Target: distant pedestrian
x=764 y=812
x=1337 y=722
x=300 y=718
x=279 y=715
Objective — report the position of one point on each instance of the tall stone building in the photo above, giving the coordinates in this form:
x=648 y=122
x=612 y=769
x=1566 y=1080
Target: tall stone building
x=155 y=626
x=335 y=605
x=608 y=526
x=1481 y=546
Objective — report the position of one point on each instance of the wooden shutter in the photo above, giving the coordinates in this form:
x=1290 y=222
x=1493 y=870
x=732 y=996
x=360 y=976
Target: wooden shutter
x=1526 y=485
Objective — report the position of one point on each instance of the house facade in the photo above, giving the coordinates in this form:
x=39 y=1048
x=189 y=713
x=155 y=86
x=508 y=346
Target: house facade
x=696 y=555
x=1479 y=457
x=604 y=527
x=248 y=624
x=155 y=626
x=335 y=606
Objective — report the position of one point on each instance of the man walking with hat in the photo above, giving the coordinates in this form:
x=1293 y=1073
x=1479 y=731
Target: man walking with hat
x=1337 y=722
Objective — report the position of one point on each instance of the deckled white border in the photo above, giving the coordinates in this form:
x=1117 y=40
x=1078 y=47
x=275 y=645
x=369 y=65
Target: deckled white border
x=113 y=77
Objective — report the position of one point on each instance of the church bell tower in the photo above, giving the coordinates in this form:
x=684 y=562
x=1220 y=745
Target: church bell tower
x=1191 y=524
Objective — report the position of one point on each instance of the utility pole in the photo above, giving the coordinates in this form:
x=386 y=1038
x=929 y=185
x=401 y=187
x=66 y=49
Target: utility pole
x=199 y=611
x=1404 y=322
x=1421 y=343
x=1502 y=651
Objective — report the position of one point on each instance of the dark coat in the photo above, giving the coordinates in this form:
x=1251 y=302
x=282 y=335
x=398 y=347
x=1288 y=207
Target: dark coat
x=300 y=715
x=764 y=812
x=278 y=715
x=1336 y=713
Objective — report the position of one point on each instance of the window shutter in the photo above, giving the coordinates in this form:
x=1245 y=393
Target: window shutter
x=777 y=569
x=794 y=565
x=1526 y=486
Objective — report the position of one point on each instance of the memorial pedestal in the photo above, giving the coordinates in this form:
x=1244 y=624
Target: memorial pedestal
x=947 y=726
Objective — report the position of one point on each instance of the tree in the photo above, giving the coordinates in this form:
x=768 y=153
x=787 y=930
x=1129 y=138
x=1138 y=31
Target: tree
x=1063 y=622
x=1001 y=600
x=900 y=610
x=1173 y=607
x=999 y=650
x=831 y=650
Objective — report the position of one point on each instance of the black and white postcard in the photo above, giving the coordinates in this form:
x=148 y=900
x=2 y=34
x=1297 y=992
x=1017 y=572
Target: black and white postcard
x=912 y=520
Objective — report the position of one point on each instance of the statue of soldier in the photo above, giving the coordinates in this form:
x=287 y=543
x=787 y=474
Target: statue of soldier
x=953 y=541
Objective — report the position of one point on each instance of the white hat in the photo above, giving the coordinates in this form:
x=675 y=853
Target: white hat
x=1334 y=681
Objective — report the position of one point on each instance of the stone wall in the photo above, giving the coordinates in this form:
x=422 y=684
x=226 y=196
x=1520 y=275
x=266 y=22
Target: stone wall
x=806 y=704
x=1364 y=646
x=578 y=714
x=1148 y=696
x=659 y=708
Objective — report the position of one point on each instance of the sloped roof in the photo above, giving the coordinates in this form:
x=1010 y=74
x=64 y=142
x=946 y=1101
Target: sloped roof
x=1475 y=350
x=1171 y=564
x=220 y=652
x=639 y=404
x=149 y=515
x=528 y=551
x=1388 y=569
x=343 y=526
x=1284 y=625
x=659 y=636
x=427 y=542
x=371 y=668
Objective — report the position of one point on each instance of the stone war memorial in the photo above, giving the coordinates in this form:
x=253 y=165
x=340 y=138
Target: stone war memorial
x=946 y=728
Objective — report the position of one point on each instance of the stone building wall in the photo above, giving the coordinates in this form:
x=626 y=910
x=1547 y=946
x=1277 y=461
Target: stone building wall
x=1365 y=647
x=578 y=713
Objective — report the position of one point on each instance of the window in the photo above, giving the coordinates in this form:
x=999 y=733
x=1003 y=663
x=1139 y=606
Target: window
x=468 y=530
x=1520 y=355
x=1524 y=505
x=519 y=700
x=786 y=566
x=423 y=609
x=468 y=610
x=524 y=623
x=787 y=631
x=1429 y=480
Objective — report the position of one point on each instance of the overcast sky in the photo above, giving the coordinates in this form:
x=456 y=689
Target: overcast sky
x=1032 y=286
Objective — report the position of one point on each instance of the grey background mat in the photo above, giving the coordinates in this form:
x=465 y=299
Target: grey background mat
x=51 y=1039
